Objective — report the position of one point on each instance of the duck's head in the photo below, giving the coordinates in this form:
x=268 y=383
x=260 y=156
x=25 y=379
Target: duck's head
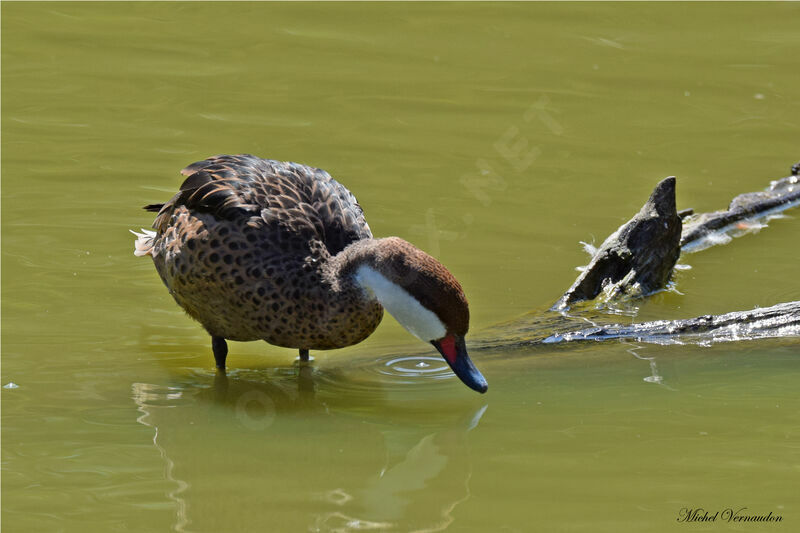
x=427 y=300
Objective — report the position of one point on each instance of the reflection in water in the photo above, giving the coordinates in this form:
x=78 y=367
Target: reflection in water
x=423 y=476
x=438 y=463
x=255 y=406
x=145 y=396
x=655 y=376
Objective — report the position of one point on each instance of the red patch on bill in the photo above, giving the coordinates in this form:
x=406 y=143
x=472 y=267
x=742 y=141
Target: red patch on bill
x=448 y=347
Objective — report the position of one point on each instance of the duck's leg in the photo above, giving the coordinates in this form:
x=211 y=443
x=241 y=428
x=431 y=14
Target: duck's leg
x=304 y=354
x=220 y=348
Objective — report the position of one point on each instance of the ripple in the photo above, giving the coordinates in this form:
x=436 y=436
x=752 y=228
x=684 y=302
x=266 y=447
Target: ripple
x=415 y=368
x=371 y=379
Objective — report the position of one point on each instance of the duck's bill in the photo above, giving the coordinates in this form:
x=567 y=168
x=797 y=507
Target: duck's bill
x=454 y=350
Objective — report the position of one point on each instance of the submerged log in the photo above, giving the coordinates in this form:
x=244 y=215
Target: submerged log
x=781 y=194
x=781 y=320
x=637 y=258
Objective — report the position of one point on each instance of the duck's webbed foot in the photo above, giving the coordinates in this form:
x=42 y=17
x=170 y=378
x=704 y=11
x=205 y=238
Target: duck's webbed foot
x=220 y=348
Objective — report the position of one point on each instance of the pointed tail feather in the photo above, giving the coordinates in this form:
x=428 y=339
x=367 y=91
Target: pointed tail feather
x=144 y=242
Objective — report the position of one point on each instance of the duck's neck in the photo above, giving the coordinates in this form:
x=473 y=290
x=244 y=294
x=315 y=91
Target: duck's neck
x=385 y=270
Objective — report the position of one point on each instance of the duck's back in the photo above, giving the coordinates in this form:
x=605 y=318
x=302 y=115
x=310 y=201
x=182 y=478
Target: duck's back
x=296 y=199
x=241 y=246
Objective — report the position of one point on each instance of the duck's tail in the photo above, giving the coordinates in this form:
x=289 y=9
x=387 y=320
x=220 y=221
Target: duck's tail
x=144 y=242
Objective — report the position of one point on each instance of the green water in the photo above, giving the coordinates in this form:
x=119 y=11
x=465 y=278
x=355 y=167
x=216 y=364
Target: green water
x=495 y=136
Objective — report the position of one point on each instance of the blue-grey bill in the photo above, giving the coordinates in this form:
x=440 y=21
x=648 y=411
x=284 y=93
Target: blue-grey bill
x=463 y=367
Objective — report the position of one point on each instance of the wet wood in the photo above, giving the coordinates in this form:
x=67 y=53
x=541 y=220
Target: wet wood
x=779 y=320
x=638 y=258
x=781 y=193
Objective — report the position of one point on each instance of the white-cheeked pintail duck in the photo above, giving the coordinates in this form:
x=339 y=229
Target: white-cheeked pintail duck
x=256 y=249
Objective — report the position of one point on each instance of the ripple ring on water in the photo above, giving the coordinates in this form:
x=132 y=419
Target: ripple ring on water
x=428 y=367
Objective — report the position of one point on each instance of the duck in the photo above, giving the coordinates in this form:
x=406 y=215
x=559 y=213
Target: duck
x=258 y=249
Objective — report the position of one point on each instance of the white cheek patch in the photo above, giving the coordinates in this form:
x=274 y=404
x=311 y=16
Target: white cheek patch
x=419 y=321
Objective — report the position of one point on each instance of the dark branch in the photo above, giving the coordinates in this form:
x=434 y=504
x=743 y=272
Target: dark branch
x=781 y=320
x=781 y=194
x=638 y=257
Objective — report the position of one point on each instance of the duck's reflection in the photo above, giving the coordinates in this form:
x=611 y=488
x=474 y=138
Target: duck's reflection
x=256 y=404
x=398 y=497
x=247 y=449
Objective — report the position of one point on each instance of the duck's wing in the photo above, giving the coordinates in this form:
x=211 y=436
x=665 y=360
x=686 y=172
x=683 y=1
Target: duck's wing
x=293 y=198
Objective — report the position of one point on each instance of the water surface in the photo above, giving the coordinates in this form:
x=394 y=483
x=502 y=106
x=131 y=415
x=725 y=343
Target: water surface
x=495 y=136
